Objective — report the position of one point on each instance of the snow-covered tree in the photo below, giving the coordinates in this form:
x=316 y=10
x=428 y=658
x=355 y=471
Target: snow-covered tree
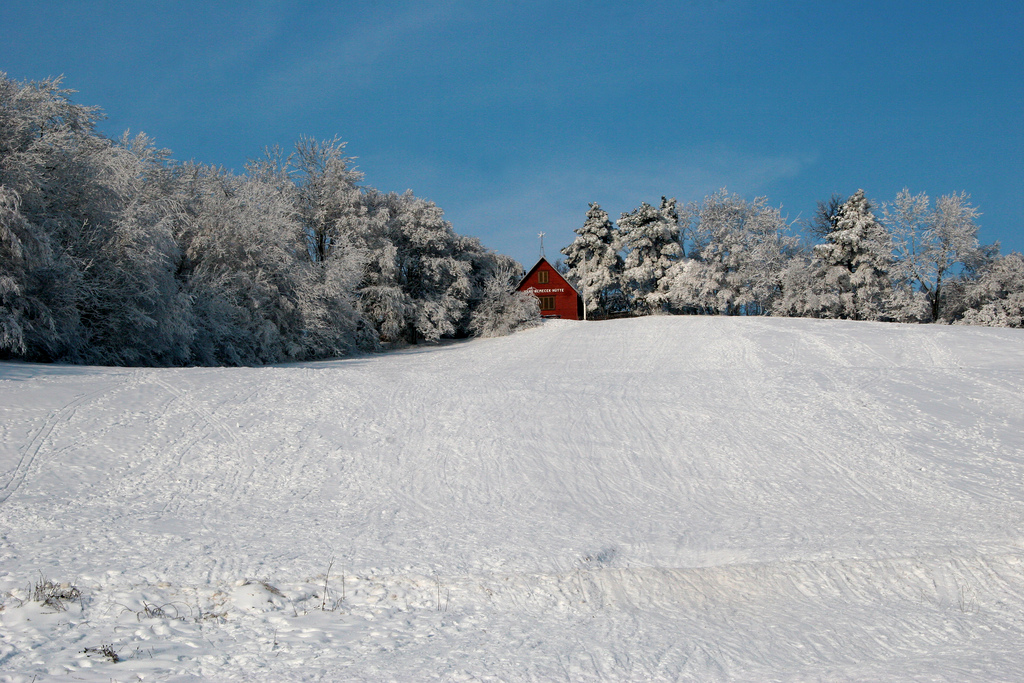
x=799 y=297
x=417 y=281
x=21 y=252
x=328 y=193
x=502 y=310
x=242 y=264
x=87 y=250
x=933 y=242
x=47 y=204
x=739 y=250
x=110 y=253
x=137 y=312
x=650 y=238
x=853 y=280
x=594 y=262
x=435 y=271
x=995 y=296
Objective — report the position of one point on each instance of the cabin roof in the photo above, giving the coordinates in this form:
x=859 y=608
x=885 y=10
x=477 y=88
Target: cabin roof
x=536 y=266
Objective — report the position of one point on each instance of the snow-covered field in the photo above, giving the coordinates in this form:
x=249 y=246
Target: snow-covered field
x=668 y=498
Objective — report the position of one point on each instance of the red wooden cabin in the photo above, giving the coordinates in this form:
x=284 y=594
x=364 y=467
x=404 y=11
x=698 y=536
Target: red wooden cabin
x=558 y=299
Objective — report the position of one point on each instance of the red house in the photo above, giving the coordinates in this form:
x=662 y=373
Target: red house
x=558 y=299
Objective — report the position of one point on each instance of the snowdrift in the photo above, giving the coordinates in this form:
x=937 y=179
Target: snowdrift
x=667 y=498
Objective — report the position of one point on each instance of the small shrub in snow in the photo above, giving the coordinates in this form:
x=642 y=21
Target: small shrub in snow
x=55 y=595
x=1008 y=312
x=107 y=651
x=167 y=610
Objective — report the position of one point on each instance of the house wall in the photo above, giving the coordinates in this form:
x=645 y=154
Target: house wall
x=566 y=299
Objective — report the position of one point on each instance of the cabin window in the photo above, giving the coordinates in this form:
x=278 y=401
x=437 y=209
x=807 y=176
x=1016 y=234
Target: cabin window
x=543 y=277
x=547 y=303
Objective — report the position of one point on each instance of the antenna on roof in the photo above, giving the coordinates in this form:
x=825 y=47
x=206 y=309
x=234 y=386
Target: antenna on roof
x=541 y=236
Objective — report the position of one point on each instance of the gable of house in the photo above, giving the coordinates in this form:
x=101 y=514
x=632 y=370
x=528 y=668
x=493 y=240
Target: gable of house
x=558 y=299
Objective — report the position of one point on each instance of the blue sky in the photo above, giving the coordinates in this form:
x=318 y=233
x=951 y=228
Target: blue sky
x=513 y=116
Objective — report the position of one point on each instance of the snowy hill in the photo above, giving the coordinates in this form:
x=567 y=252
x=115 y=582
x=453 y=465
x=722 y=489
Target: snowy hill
x=667 y=498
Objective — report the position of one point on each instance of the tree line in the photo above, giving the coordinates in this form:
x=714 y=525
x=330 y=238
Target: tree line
x=915 y=260
x=112 y=253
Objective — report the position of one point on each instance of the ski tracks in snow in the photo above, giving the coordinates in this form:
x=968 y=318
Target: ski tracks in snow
x=29 y=454
x=656 y=499
x=236 y=466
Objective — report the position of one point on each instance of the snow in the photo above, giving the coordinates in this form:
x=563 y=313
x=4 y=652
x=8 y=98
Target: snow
x=665 y=498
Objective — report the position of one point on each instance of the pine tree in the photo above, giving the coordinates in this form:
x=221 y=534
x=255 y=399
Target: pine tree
x=594 y=262
x=651 y=239
x=853 y=280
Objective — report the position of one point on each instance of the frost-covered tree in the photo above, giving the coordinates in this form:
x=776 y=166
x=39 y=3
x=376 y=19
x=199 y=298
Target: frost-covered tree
x=138 y=313
x=995 y=296
x=418 y=279
x=502 y=310
x=800 y=297
x=328 y=193
x=434 y=268
x=50 y=203
x=110 y=253
x=87 y=253
x=22 y=252
x=241 y=265
x=855 y=259
x=739 y=250
x=650 y=238
x=594 y=262
x=932 y=243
